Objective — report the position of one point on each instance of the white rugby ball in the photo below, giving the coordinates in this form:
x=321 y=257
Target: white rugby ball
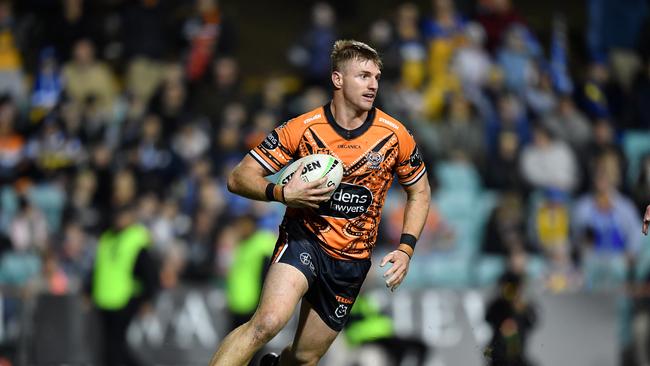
x=315 y=166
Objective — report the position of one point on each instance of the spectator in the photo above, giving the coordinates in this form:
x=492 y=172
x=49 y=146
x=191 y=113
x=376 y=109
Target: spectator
x=510 y=118
x=311 y=54
x=13 y=156
x=11 y=64
x=512 y=317
x=549 y=163
x=599 y=96
x=506 y=228
x=87 y=79
x=497 y=17
x=81 y=207
x=145 y=30
x=540 y=95
x=550 y=224
x=155 y=162
x=54 y=151
x=201 y=242
x=220 y=90
x=568 y=124
x=503 y=169
x=28 y=230
x=123 y=282
x=77 y=253
x=170 y=102
x=73 y=23
x=207 y=34
x=471 y=61
x=48 y=85
x=606 y=224
x=191 y=141
x=461 y=131
x=515 y=58
x=251 y=259
x=442 y=33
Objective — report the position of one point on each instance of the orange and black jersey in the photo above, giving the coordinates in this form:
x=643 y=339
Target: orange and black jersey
x=371 y=154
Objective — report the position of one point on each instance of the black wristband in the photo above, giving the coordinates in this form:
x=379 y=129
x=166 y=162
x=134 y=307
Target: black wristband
x=408 y=239
x=269 y=192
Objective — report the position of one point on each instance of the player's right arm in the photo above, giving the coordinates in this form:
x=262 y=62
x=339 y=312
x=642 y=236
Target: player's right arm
x=247 y=179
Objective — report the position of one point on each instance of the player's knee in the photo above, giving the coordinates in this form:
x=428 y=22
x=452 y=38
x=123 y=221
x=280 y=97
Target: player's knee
x=266 y=326
x=305 y=358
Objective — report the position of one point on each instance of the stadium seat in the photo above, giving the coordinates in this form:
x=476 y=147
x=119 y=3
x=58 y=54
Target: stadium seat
x=636 y=143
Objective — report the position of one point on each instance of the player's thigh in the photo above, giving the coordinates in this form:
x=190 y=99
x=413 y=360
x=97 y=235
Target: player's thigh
x=313 y=337
x=283 y=287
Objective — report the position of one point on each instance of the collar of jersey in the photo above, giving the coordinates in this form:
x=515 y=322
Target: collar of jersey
x=345 y=133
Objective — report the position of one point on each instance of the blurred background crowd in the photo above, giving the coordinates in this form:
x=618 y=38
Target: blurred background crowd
x=537 y=139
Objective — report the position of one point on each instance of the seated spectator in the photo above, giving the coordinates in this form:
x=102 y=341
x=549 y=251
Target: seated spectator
x=48 y=85
x=503 y=171
x=568 y=124
x=506 y=228
x=461 y=130
x=471 y=61
x=13 y=155
x=220 y=89
x=311 y=53
x=516 y=59
x=28 y=230
x=442 y=34
x=11 y=64
x=607 y=226
x=53 y=150
x=510 y=116
x=85 y=77
x=548 y=163
x=497 y=17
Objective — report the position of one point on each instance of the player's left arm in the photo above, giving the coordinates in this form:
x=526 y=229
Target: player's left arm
x=415 y=214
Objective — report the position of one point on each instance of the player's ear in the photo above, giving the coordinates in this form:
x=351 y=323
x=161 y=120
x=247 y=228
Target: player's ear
x=337 y=79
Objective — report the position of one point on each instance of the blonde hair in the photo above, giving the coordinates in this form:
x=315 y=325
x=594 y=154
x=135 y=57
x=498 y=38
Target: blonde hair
x=345 y=50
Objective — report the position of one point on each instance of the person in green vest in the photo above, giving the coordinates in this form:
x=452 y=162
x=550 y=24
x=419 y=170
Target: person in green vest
x=368 y=326
x=124 y=282
x=251 y=259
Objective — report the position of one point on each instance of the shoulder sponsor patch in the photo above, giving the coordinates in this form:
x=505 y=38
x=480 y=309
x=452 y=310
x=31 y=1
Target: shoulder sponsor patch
x=271 y=141
x=416 y=158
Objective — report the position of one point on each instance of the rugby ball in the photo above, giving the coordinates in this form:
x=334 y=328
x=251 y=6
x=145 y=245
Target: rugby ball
x=315 y=166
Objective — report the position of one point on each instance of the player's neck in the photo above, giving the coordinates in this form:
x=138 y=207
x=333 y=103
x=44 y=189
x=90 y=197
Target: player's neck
x=345 y=115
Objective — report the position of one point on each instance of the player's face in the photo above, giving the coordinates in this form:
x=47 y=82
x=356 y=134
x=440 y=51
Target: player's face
x=360 y=83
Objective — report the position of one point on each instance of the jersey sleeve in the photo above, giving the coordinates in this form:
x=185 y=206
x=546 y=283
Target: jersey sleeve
x=410 y=167
x=279 y=146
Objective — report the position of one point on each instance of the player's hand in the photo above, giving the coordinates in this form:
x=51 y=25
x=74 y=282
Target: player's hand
x=646 y=220
x=397 y=272
x=305 y=194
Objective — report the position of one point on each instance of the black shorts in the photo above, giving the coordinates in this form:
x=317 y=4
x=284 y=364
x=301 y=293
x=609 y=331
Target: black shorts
x=334 y=284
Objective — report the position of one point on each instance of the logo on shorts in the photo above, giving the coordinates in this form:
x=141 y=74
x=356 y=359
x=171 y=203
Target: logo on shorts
x=341 y=311
x=374 y=159
x=305 y=259
x=344 y=300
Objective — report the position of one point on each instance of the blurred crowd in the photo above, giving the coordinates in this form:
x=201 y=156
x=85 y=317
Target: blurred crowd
x=538 y=144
